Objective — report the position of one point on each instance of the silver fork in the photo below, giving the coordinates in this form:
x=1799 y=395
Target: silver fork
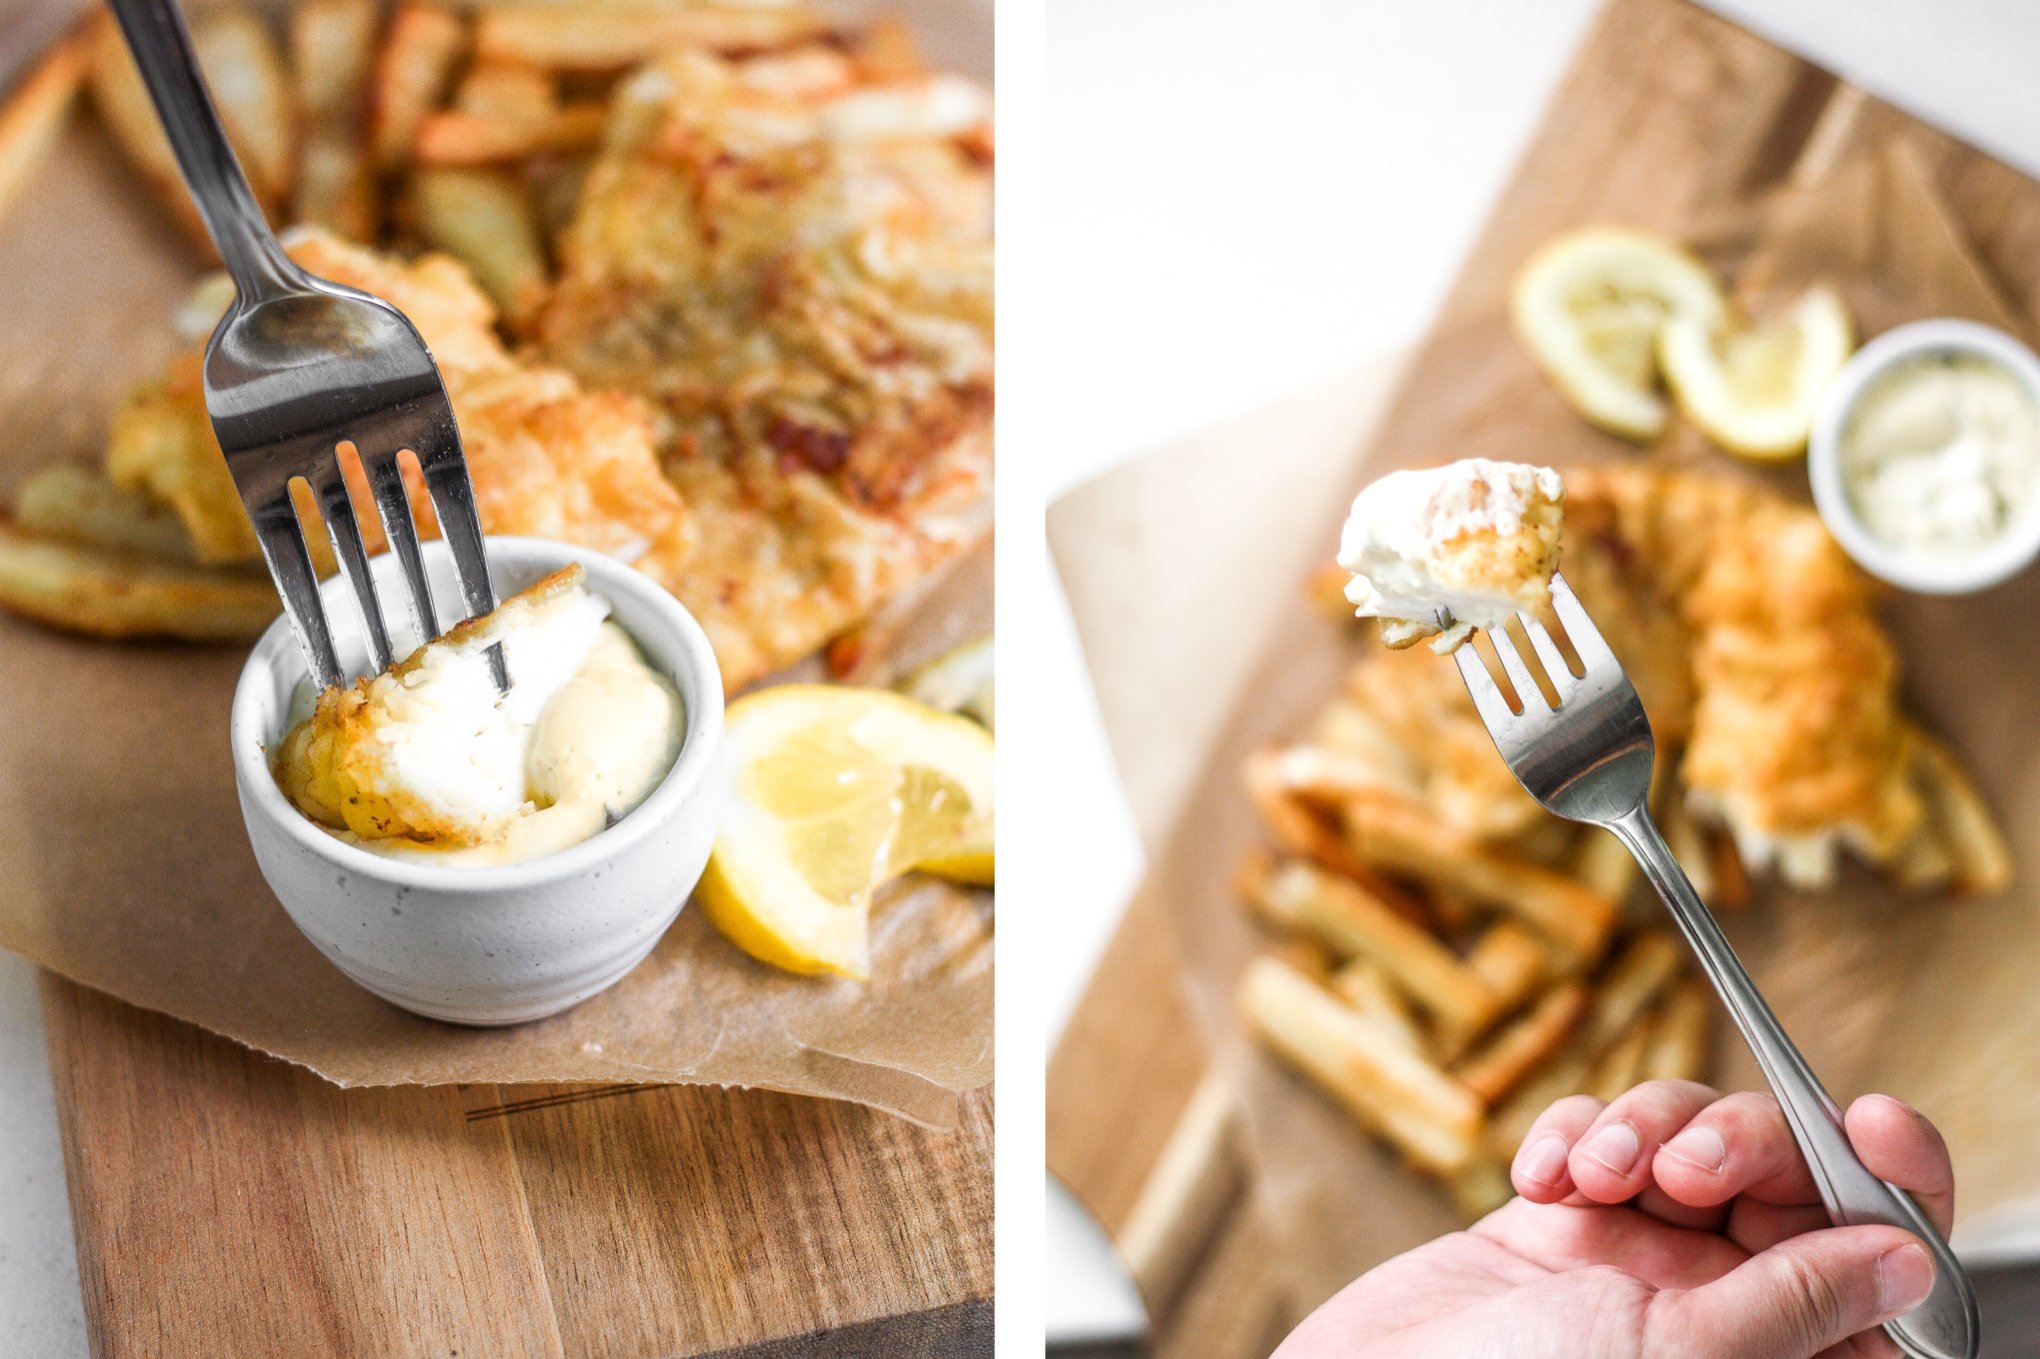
x=299 y=365
x=1589 y=759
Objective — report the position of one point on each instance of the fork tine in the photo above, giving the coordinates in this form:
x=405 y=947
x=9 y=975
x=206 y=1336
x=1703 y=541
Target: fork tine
x=290 y=565
x=1527 y=691
x=337 y=509
x=1586 y=638
x=453 y=498
x=1487 y=696
x=1563 y=681
x=393 y=507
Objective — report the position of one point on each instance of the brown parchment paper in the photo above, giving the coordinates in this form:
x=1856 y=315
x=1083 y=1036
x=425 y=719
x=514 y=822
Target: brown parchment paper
x=1929 y=1000
x=123 y=862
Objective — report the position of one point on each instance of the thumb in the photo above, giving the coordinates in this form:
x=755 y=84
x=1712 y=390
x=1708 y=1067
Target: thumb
x=1804 y=1294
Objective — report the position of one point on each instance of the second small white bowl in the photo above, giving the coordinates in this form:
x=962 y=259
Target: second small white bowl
x=1992 y=563
x=496 y=945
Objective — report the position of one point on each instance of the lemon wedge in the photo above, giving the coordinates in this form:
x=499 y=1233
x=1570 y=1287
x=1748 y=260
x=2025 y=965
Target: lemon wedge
x=957 y=681
x=1589 y=306
x=1754 y=389
x=839 y=790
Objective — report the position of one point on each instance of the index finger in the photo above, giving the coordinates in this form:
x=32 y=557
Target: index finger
x=1897 y=1143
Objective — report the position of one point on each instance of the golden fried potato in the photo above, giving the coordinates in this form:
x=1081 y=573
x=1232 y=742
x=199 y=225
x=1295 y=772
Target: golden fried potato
x=109 y=593
x=33 y=112
x=80 y=505
x=485 y=219
x=597 y=38
x=412 y=71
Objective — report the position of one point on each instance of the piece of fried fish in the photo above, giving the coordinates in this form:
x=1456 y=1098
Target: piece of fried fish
x=548 y=458
x=800 y=282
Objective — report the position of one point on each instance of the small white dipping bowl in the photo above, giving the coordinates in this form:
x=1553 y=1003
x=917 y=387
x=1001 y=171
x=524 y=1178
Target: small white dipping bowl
x=1990 y=564
x=501 y=944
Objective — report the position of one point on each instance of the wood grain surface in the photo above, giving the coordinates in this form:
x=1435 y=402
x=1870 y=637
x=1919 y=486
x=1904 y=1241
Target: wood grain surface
x=1667 y=118
x=230 y=1204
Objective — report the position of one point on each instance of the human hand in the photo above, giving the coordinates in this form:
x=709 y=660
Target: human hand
x=1675 y=1223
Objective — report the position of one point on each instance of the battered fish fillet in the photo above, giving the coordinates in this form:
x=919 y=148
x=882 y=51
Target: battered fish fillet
x=423 y=751
x=548 y=458
x=801 y=283
x=1755 y=647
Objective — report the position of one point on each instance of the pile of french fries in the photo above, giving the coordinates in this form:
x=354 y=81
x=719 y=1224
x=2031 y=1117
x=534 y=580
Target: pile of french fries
x=1442 y=985
x=465 y=128
x=468 y=129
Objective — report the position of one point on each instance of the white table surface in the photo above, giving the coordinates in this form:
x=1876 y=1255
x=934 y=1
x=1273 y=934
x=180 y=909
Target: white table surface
x=1291 y=187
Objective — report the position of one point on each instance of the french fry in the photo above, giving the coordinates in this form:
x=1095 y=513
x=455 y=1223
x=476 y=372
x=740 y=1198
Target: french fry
x=116 y=594
x=510 y=90
x=1309 y=955
x=485 y=219
x=80 y=505
x=1681 y=1035
x=1299 y=829
x=251 y=88
x=1433 y=1118
x=1981 y=863
x=1631 y=984
x=332 y=47
x=1510 y=960
x=332 y=44
x=1512 y=1052
x=1621 y=1066
x=885 y=49
x=1600 y=861
x=244 y=68
x=1401 y=836
x=1565 y=1074
x=412 y=72
x=1356 y=924
x=1480 y=1186
x=1365 y=985
x=456 y=138
x=586 y=38
x=1324 y=773
x=336 y=184
x=1691 y=846
x=932 y=106
x=35 y=109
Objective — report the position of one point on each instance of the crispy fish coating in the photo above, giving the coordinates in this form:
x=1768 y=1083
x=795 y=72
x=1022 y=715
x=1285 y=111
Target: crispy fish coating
x=547 y=457
x=801 y=282
x=343 y=766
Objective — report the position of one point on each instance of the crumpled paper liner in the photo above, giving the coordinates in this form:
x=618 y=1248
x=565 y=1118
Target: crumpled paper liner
x=1930 y=1000
x=123 y=861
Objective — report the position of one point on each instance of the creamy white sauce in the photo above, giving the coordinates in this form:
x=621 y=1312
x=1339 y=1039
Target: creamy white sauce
x=1401 y=532
x=1941 y=455
x=586 y=733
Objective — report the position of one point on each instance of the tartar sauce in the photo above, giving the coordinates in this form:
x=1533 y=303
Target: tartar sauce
x=1941 y=454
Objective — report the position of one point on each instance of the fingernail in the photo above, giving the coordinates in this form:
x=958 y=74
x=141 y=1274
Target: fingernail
x=1904 y=1278
x=1543 y=1161
x=1615 y=1147
x=1700 y=1147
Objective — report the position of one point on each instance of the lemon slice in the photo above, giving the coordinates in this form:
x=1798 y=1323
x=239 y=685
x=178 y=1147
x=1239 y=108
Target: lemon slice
x=957 y=681
x=838 y=790
x=1589 y=306
x=1754 y=389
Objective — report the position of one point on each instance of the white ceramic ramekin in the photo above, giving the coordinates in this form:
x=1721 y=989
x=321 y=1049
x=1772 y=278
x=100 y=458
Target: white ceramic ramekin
x=497 y=945
x=1990 y=565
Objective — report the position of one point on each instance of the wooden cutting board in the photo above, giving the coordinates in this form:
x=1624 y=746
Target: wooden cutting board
x=1666 y=113
x=230 y=1204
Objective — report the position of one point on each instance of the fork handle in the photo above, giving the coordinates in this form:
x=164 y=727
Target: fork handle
x=163 y=52
x=1945 y=1326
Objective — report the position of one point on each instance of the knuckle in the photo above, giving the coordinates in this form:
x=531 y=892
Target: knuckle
x=1811 y=1305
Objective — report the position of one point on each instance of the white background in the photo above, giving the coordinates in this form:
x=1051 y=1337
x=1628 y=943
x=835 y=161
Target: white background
x=1241 y=196
x=1249 y=196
